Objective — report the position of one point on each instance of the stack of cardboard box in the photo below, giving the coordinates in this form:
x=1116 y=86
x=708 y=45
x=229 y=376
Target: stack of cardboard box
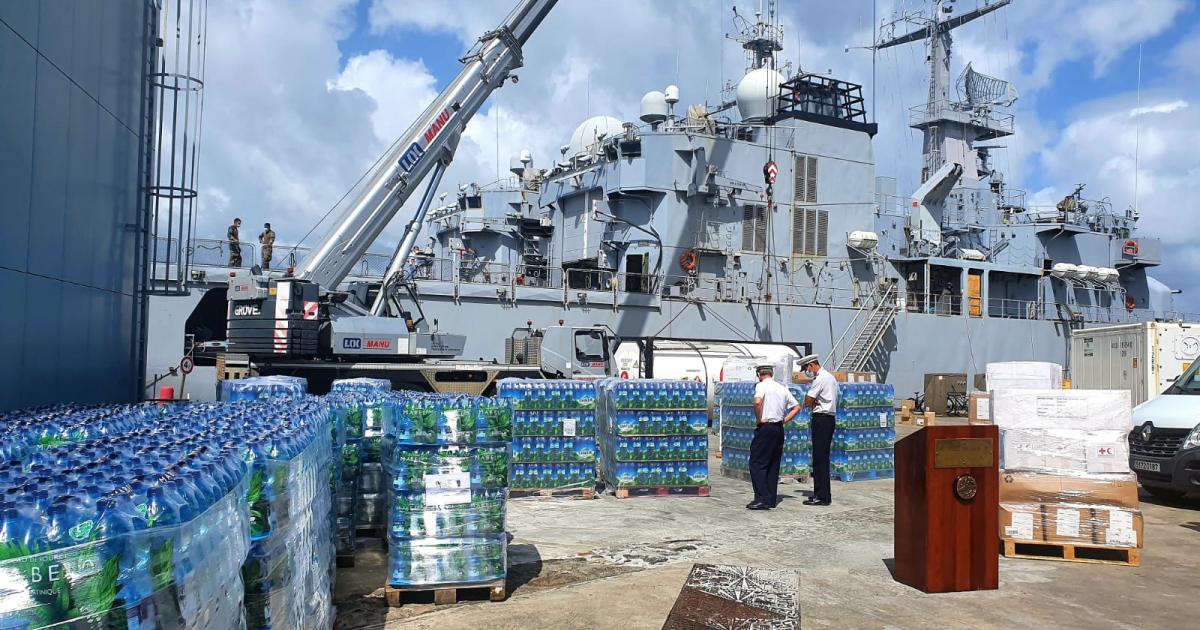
x=909 y=415
x=1064 y=455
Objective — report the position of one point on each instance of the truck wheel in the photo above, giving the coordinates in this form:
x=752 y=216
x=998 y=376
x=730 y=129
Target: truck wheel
x=1164 y=493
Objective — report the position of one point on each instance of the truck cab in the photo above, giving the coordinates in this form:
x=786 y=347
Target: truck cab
x=1164 y=446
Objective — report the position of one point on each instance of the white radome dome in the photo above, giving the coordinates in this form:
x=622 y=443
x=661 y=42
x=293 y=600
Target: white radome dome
x=654 y=107
x=589 y=131
x=758 y=93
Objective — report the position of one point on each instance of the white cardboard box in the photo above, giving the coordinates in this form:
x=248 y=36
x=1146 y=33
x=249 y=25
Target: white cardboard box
x=1074 y=409
x=1064 y=451
x=1024 y=375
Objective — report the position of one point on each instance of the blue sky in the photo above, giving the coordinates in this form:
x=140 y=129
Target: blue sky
x=341 y=78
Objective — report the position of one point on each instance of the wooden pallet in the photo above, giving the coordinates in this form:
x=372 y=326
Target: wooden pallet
x=1068 y=552
x=744 y=475
x=397 y=595
x=364 y=531
x=661 y=491
x=557 y=493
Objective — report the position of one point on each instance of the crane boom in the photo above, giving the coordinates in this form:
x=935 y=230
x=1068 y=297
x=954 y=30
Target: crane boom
x=431 y=139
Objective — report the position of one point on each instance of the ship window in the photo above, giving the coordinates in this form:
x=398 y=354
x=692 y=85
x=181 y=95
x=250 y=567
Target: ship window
x=754 y=229
x=805 y=183
x=474 y=201
x=810 y=232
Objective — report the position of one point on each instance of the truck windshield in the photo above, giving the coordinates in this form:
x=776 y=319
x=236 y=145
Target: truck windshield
x=1187 y=384
x=590 y=347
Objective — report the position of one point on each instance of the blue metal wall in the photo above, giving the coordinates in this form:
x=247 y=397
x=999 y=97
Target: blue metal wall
x=71 y=217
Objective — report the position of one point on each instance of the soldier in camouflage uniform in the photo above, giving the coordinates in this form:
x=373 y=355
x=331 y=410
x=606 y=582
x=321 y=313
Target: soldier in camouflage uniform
x=235 y=245
x=267 y=240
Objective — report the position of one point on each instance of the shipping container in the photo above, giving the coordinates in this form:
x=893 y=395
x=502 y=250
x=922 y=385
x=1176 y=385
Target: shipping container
x=1143 y=358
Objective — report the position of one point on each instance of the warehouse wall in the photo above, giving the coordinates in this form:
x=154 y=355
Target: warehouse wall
x=72 y=85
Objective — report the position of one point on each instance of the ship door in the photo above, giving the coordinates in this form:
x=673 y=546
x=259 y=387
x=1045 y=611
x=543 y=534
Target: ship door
x=975 y=292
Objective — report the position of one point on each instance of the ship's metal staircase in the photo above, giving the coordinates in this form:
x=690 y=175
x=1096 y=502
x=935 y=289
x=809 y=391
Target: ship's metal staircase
x=879 y=314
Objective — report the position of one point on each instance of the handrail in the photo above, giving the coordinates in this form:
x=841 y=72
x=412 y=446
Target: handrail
x=880 y=301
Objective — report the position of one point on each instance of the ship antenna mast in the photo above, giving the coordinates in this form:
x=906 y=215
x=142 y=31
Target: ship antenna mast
x=936 y=28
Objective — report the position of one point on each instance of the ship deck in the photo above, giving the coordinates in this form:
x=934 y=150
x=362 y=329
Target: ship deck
x=611 y=563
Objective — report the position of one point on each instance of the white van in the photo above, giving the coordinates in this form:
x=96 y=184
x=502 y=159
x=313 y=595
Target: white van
x=1164 y=447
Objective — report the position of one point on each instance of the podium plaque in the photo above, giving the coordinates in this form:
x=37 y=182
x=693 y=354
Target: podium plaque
x=947 y=504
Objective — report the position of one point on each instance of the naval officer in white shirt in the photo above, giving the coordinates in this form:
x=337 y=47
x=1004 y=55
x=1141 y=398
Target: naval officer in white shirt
x=774 y=406
x=822 y=396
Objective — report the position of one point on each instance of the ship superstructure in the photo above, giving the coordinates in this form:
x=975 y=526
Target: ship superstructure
x=762 y=220
x=766 y=222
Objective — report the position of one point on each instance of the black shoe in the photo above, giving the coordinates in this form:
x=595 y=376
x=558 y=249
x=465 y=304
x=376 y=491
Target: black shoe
x=757 y=506
x=816 y=501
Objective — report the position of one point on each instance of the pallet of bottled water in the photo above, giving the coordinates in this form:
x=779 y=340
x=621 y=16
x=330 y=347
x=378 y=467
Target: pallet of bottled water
x=554 y=436
x=361 y=386
x=446 y=461
x=735 y=405
x=653 y=437
x=148 y=516
x=261 y=388
x=356 y=411
x=865 y=433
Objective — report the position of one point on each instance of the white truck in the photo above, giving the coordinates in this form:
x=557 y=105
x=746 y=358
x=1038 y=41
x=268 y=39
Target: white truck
x=1143 y=358
x=1157 y=363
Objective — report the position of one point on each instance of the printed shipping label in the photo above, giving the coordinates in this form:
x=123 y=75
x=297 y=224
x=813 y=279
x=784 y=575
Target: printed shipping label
x=1120 y=528
x=448 y=489
x=1067 y=523
x=568 y=427
x=1022 y=526
x=1047 y=406
x=883 y=419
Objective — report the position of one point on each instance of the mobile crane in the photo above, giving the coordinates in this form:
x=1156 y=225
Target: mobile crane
x=304 y=325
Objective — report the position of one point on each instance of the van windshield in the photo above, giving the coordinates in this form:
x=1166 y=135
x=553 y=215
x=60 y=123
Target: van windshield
x=1187 y=384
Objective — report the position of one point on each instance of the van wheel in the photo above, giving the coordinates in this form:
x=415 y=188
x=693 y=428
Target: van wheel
x=1164 y=493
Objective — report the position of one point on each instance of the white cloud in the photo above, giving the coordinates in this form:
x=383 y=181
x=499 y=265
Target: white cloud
x=1160 y=108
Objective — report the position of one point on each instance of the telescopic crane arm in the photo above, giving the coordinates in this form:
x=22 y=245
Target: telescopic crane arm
x=428 y=144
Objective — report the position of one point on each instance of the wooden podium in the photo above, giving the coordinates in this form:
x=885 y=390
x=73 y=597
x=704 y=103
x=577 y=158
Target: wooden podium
x=947 y=504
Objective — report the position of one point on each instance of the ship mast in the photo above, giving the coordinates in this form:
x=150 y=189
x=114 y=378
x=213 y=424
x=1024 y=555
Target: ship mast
x=948 y=128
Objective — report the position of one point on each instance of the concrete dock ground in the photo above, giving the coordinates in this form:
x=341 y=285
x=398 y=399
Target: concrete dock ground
x=610 y=563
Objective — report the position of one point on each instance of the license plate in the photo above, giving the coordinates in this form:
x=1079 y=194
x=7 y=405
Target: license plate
x=1146 y=466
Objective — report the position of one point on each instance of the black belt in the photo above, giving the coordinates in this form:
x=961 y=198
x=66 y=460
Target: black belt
x=822 y=413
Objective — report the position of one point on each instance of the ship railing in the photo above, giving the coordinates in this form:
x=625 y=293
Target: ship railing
x=538 y=276
x=207 y=252
x=961 y=112
x=881 y=298
x=590 y=279
x=482 y=272
x=1014 y=309
x=933 y=303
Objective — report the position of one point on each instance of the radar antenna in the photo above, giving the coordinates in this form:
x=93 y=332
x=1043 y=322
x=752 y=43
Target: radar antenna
x=980 y=90
x=760 y=39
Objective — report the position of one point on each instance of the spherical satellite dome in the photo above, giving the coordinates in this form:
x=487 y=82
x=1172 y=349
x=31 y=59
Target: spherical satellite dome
x=589 y=131
x=758 y=93
x=654 y=107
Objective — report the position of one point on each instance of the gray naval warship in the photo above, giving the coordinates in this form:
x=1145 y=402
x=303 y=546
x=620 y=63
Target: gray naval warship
x=763 y=220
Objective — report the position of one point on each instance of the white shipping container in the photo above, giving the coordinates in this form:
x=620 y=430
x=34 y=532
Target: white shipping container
x=1143 y=358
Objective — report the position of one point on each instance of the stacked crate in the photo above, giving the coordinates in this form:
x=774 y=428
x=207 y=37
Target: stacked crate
x=554 y=436
x=1066 y=490
x=735 y=402
x=653 y=437
x=865 y=433
x=446 y=458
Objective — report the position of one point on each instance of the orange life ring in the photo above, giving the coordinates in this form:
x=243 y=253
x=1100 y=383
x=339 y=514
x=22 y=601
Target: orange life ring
x=1130 y=304
x=1130 y=248
x=688 y=260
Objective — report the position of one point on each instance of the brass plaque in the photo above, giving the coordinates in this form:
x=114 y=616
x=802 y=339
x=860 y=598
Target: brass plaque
x=962 y=453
